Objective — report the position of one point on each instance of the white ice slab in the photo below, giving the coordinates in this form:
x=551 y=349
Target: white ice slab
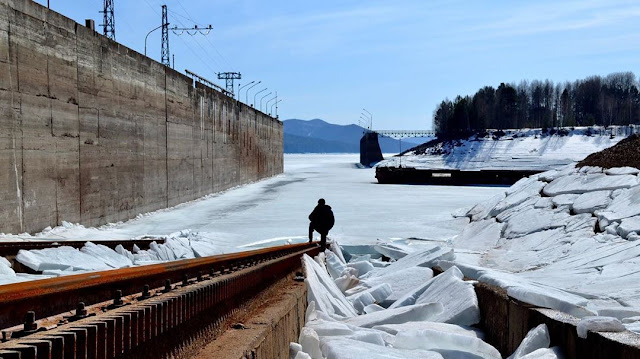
x=107 y=255
x=617 y=171
x=411 y=313
x=422 y=258
x=629 y=225
x=60 y=258
x=310 y=342
x=581 y=183
x=5 y=268
x=624 y=205
x=481 y=210
x=394 y=329
x=363 y=267
x=401 y=281
x=347 y=348
x=536 y=338
x=532 y=188
x=457 y=297
x=321 y=289
x=335 y=265
x=346 y=282
x=598 y=324
x=446 y=343
x=534 y=220
x=480 y=235
x=370 y=296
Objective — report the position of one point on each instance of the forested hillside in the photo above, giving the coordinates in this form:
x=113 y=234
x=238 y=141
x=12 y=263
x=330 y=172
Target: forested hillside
x=596 y=100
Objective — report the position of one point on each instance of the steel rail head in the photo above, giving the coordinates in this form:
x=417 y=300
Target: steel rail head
x=58 y=295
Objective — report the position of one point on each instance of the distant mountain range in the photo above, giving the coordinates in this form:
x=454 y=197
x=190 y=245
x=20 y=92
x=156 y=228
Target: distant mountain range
x=318 y=136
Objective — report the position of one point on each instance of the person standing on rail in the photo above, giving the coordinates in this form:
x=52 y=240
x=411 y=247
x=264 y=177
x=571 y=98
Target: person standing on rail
x=322 y=221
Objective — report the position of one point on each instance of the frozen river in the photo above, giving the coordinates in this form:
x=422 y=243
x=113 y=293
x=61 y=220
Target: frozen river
x=276 y=209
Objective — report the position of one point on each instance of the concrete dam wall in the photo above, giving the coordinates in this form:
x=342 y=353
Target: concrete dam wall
x=94 y=132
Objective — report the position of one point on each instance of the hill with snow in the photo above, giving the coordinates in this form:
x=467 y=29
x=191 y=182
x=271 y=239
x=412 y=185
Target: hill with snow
x=525 y=149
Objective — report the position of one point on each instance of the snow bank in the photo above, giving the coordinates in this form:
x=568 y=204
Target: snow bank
x=526 y=149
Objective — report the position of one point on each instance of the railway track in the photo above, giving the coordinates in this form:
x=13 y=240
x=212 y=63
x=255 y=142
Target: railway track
x=146 y=311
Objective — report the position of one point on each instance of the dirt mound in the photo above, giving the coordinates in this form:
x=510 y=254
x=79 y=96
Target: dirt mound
x=624 y=154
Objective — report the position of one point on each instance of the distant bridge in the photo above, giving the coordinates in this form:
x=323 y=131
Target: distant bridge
x=405 y=133
x=370 y=152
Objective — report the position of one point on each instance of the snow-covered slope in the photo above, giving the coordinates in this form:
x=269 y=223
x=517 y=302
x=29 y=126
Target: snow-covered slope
x=526 y=149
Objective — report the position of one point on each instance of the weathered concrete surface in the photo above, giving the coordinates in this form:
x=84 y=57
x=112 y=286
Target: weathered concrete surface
x=273 y=320
x=93 y=132
x=506 y=321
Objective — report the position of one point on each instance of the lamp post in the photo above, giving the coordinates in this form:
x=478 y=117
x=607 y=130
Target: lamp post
x=370 y=118
x=262 y=98
x=266 y=105
x=243 y=86
x=256 y=94
x=366 y=120
x=246 y=94
x=275 y=104
x=145 y=38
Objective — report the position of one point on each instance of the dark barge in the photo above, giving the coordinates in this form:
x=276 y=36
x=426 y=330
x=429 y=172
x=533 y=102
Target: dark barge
x=450 y=177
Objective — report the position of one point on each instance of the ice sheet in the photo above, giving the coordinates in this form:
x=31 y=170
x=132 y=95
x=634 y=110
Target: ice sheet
x=346 y=348
x=401 y=281
x=457 y=297
x=411 y=313
x=536 y=338
x=581 y=183
x=442 y=327
x=321 y=289
x=446 y=343
x=373 y=295
x=60 y=258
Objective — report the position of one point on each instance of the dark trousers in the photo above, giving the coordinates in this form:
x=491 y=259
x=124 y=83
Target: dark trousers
x=323 y=236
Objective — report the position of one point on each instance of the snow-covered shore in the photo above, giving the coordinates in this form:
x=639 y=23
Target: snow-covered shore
x=525 y=149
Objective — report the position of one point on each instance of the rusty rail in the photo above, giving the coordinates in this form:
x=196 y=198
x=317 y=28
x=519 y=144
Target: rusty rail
x=152 y=327
x=58 y=295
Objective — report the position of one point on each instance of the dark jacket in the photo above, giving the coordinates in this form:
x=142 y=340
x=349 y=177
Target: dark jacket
x=322 y=218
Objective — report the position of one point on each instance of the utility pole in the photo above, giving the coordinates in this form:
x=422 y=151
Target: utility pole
x=165 y=57
x=229 y=77
x=109 y=25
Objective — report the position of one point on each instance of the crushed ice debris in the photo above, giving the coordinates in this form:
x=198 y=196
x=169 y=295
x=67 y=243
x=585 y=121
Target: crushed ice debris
x=66 y=260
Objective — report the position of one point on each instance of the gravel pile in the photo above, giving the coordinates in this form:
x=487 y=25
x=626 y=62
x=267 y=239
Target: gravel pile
x=624 y=154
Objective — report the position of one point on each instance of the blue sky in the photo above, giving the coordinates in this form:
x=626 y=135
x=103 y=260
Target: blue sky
x=398 y=59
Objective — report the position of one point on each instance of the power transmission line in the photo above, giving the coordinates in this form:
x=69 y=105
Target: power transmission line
x=109 y=25
x=229 y=77
x=224 y=59
x=165 y=53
